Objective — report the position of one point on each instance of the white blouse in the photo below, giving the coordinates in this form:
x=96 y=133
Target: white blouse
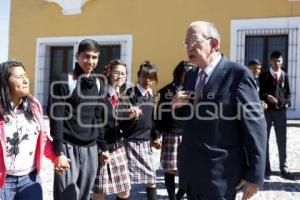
x=21 y=139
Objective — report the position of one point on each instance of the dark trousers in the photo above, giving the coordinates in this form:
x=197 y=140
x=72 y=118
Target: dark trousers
x=278 y=119
x=192 y=195
x=77 y=182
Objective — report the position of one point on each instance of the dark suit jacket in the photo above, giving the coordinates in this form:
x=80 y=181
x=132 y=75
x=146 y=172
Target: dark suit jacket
x=216 y=151
x=279 y=89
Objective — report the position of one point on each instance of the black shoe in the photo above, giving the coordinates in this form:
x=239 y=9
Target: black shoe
x=287 y=175
x=268 y=174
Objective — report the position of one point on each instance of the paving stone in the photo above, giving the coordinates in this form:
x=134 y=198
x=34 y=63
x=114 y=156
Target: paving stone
x=275 y=189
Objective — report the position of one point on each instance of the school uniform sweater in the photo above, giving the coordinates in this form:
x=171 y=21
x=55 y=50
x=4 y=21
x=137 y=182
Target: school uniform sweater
x=143 y=127
x=76 y=118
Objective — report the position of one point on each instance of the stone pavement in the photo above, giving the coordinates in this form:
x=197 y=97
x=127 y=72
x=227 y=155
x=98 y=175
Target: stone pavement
x=274 y=189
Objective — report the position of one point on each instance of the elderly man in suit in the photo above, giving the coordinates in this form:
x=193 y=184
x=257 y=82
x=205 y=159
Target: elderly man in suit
x=224 y=137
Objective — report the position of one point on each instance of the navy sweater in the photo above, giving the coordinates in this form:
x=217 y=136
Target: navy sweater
x=143 y=127
x=79 y=115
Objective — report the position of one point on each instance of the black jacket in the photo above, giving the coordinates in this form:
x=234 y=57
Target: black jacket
x=279 y=89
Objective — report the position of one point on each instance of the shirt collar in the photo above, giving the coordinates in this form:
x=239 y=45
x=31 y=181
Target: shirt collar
x=210 y=68
x=143 y=90
x=273 y=72
x=111 y=91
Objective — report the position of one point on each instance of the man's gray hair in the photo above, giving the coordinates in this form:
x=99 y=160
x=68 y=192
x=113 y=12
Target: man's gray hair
x=211 y=29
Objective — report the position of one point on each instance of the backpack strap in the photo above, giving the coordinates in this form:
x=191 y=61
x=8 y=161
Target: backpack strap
x=98 y=84
x=71 y=83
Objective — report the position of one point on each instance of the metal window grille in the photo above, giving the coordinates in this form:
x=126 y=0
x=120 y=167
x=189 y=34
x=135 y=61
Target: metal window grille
x=292 y=34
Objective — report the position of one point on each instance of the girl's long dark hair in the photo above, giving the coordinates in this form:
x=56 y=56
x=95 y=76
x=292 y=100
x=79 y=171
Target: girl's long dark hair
x=5 y=100
x=182 y=67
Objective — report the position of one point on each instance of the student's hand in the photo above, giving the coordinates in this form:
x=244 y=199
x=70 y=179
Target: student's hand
x=272 y=99
x=156 y=143
x=104 y=158
x=264 y=105
x=61 y=164
x=250 y=189
x=135 y=112
x=180 y=99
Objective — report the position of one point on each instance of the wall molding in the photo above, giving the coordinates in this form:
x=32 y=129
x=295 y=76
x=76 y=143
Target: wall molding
x=70 y=7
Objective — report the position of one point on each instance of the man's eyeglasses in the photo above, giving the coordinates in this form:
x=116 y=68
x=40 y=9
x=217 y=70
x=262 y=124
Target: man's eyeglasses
x=193 y=42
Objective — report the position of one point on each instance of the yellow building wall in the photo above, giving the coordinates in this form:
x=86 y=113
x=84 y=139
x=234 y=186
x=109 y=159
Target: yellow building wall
x=157 y=26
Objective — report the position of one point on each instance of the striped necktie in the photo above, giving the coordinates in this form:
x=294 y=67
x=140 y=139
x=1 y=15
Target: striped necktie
x=200 y=86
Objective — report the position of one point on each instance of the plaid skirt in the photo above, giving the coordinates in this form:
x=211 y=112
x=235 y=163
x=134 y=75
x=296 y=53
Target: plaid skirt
x=168 y=158
x=113 y=177
x=140 y=162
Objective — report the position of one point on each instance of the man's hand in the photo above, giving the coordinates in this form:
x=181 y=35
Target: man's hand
x=180 y=99
x=249 y=189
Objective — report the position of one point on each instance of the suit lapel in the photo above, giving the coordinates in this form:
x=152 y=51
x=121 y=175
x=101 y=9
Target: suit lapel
x=214 y=81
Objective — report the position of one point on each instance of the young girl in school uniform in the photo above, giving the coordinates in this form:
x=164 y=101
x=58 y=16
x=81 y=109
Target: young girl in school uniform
x=171 y=129
x=113 y=175
x=140 y=132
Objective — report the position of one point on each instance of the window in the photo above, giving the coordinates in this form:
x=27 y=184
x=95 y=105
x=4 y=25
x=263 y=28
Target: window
x=257 y=38
x=261 y=46
x=107 y=53
x=61 y=61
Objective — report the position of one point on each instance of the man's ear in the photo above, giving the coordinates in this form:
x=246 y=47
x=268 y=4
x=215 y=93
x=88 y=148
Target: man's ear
x=214 y=44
